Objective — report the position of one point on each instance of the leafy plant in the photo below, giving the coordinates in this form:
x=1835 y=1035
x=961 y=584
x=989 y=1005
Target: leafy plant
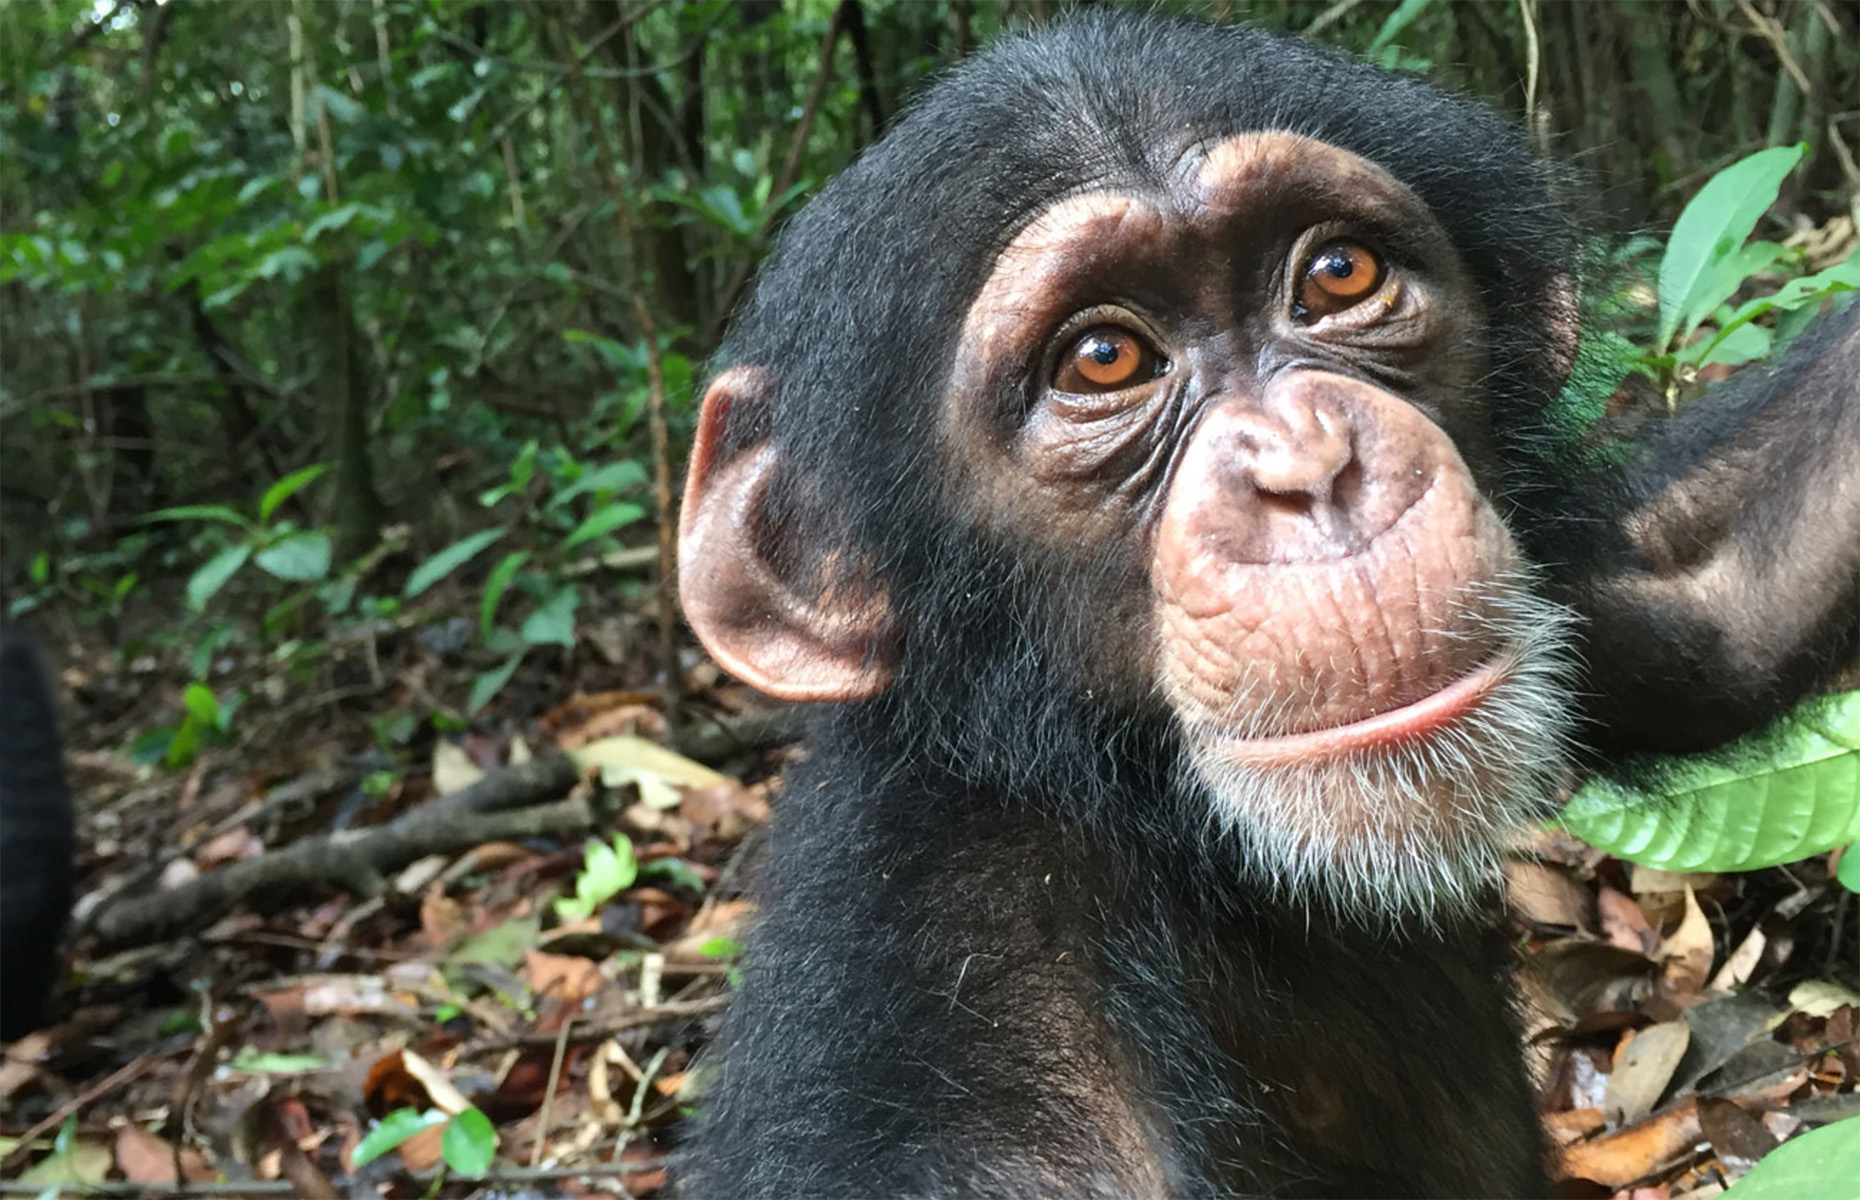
x=206 y=722
x=468 y=1145
x=1710 y=257
x=277 y=548
x=606 y=871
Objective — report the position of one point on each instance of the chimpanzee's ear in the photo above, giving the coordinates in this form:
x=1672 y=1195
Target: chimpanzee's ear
x=829 y=636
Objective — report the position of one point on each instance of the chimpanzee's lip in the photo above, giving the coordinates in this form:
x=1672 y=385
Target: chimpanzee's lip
x=1382 y=733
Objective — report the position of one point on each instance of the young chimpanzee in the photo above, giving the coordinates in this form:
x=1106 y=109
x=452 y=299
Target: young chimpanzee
x=35 y=837
x=1144 y=453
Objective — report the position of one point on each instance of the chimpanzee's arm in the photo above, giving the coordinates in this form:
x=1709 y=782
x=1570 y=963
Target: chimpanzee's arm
x=1722 y=579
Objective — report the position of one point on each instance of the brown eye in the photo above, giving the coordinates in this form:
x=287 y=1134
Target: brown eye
x=1104 y=360
x=1338 y=276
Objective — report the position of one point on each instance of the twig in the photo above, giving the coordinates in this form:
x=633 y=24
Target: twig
x=790 y=168
x=1330 y=16
x=645 y=1018
x=655 y=392
x=56 y=1117
x=357 y=858
x=555 y=1079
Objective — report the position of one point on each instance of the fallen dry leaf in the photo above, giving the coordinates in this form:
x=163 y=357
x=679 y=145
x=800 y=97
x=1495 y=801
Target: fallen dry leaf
x=1644 y=1065
x=1634 y=1153
x=1686 y=953
x=142 y=1157
x=562 y=977
x=1623 y=922
x=1545 y=896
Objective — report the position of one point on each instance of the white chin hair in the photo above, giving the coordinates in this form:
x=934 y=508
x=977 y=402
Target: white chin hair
x=1390 y=836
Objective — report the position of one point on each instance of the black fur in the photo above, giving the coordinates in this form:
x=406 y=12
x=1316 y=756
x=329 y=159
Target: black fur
x=999 y=952
x=35 y=838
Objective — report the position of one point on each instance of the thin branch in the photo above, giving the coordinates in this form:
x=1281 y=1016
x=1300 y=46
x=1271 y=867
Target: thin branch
x=790 y=169
x=357 y=859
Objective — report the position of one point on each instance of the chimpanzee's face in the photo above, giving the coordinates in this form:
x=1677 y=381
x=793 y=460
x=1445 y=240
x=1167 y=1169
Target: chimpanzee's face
x=1243 y=411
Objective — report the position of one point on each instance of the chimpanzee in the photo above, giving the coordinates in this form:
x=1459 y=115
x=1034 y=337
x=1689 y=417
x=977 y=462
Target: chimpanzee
x=1144 y=456
x=35 y=837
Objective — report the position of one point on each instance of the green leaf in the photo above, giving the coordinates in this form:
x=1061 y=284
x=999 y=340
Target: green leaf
x=1822 y=1164
x=606 y=871
x=287 y=487
x=469 y=1143
x=1773 y=797
x=675 y=872
x=201 y=704
x=721 y=947
x=602 y=522
x=301 y=557
x=1395 y=24
x=495 y=585
x=1713 y=227
x=151 y=747
x=487 y=685
x=1849 y=870
x=448 y=560
x=199 y=512
x=1722 y=279
x=1797 y=294
x=394 y=1129
x=621 y=476
x=1742 y=344
x=212 y=576
x=554 y=623
x=345 y=110
x=254 y=1061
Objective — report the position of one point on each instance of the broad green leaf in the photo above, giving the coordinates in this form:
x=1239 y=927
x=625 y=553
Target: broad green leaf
x=1745 y=343
x=674 y=871
x=554 y=623
x=495 y=585
x=152 y=747
x=448 y=560
x=609 y=477
x=394 y=1129
x=289 y=261
x=1797 y=294
x=1395 y=23
x=487 y=685
x=1717 y=222
x=602 y=522
x=344 y=109
x=1849 y=871
x=1822 y=1164
x=1723 y=278
x=255 y=1061
x=287 y=487
x=199 y=512
x=721 y=947
x=212 y=575
x=301 y=557
x=1776 y=796
x=469 y=1143
x=202 y=704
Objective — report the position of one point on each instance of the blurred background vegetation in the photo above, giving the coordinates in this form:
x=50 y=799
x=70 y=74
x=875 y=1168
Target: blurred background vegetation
x=310 y=307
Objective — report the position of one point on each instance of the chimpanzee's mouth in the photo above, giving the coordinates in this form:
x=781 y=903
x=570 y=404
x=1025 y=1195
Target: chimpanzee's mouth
x=1383 y=733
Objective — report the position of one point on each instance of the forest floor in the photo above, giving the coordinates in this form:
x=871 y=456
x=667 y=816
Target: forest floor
x=341 y=913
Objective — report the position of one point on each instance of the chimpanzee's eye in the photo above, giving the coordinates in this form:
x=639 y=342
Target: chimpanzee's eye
x=1105 y=359
x=1339 y=276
